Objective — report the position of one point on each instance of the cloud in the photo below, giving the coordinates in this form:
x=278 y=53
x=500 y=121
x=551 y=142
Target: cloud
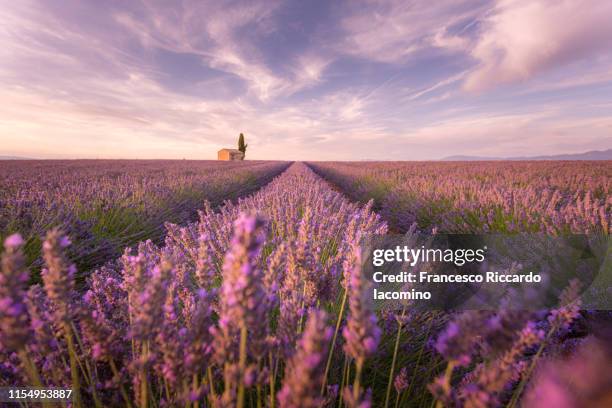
x=438 y=85
x=521 y=39
x=391 y=31
x=225 y=35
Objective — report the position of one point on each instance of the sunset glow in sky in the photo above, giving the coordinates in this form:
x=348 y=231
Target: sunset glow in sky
x=304 y=80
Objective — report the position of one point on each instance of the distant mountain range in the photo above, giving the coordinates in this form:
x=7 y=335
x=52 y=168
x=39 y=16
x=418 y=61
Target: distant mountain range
x=14 y=158
x=591 y=155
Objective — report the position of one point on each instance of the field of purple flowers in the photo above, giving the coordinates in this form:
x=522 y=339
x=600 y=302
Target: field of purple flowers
x=261 y=303
x=106 y=205
x=476 y=197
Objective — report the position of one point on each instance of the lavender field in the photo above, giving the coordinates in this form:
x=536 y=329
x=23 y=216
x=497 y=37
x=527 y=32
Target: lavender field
x=105 y=205
x=504 y=197
x=261 y=301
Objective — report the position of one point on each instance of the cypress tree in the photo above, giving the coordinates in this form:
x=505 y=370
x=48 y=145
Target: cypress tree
x=241 y=145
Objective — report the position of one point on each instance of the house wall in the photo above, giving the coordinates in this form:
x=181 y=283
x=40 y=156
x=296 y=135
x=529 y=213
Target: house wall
x=225 y=155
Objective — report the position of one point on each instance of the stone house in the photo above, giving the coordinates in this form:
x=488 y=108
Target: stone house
x=230 y=154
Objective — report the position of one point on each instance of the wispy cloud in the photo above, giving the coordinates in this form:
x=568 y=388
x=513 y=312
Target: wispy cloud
x=392 y=31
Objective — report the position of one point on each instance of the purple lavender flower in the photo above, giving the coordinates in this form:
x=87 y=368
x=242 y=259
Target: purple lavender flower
x=401 y=380
x=489 y=380
x=291 y=306
x=569 y=306
x=198 y=341
x=304 y=372
x=243 y=297
x=361 y=332
x=169 y=342
x=243 y=307
x=456 y=343
x=105 y=310
x=147 y=308
x=14 y=320
x=362 y=400
x=58 y=277
x=583 y=380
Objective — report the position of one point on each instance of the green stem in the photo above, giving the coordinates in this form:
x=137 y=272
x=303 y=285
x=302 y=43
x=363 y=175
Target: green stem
x=393 y=361
x=144 y=383
x=423 y=395
x=74 y=369
x=344 y=380
x=448 y=374
x=166 y=388
x=211 y=383
x=121 y=387
x=333 y=344
x=301 y=321
x=519 y=389
x=31 y=371
x=259 y=404
x=194 y=386
x=242 y=365
x=416 y=366
x=87 y=373
x=272 y=382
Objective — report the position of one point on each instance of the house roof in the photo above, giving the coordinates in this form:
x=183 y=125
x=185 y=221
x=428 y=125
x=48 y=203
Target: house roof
x=229 y=150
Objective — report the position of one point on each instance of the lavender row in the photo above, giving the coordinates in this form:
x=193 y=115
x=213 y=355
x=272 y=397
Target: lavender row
x=476 y=197
x=214 y=314
x=263 y=303
x=106 y=205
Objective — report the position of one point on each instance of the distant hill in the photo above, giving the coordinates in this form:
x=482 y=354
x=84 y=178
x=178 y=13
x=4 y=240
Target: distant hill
x=14 y=158
x=591 y=155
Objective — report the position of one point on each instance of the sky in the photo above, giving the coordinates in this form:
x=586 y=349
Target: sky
x=304 y=80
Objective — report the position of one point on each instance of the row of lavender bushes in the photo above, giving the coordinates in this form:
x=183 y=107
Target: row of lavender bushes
x=504 y=197
x=476 y=197
x=262 y=304
x=107 y=205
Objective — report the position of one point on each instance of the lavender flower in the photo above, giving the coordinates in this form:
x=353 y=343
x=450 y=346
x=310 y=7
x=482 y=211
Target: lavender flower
x=569 y=306
x=361 y=332
x=104 y=310
x=304 y=372
x=58 y=277
x=47 y=349
x=357 y=400
x=456 y=343
x=14 y=324
x=205 y=265
x=243 y=307
x=583 y=380
x=169 y=342
x=198 y=341
x=243 y=296
x=147 y=307
x=291 y=306
x=401 y=380
x=489 y=380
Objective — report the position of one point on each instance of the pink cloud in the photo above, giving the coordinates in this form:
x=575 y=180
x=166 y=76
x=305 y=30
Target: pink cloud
x=522 y=38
